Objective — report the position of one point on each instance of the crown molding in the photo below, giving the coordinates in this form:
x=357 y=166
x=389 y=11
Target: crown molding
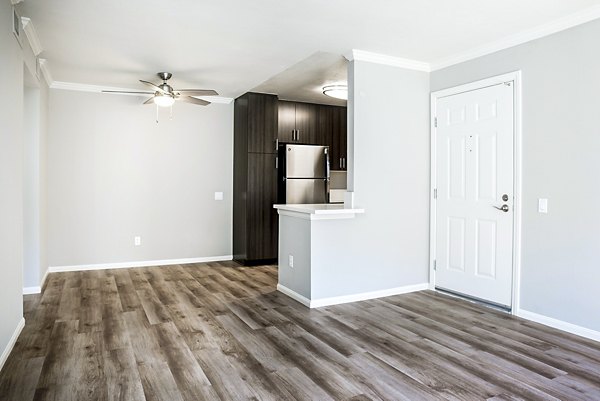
x=45 y=71
x=32 y=36
x=361 y=55
x=73 y=86
x=553 y=27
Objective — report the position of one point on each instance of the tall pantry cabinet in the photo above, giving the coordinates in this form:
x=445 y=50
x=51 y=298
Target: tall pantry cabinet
x=255 y=223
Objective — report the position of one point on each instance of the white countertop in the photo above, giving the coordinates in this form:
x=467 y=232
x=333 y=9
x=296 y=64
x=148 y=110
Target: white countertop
x=320 y=211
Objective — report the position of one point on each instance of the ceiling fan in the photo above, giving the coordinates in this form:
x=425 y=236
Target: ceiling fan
x=164 y=95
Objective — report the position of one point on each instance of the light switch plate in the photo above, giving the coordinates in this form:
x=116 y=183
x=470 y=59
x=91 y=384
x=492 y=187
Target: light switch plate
x=543 y=205
x=219 y=196
x=137 y=241
x=291 y=260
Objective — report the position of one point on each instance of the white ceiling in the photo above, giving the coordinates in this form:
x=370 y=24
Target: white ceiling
x=305 y=80
x=235 y=45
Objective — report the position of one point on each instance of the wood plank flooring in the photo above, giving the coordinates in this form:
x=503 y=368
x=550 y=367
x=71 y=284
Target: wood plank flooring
x=219 y=331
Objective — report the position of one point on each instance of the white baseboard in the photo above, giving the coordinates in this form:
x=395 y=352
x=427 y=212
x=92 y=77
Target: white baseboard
x=36 y=290
x=145 y=263
x=31 y=290
x=294 y=295
x=559 y=324
x=11 y=342
x=317 y=303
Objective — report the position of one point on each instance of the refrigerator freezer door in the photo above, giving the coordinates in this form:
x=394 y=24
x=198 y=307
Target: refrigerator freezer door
x=306 y=161
x=306 y=191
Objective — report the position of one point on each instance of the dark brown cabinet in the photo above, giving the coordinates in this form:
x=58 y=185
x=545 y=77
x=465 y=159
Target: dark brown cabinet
x=297 y=122
x=339 y=141
x=260 y=122
x=255 y=222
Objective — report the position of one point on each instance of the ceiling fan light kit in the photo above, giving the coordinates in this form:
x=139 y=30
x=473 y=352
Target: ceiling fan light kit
x=165 y=96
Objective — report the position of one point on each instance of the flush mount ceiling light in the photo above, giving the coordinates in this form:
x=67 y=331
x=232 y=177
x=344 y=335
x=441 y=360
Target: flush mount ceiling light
x=336 y=91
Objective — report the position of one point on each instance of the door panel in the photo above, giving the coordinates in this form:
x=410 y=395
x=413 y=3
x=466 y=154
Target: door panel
x=306 y=122
x=286 y=123
x=474 y=161
x=306 y=191
x=262 y=219
x=305 y=161
x=262 y=123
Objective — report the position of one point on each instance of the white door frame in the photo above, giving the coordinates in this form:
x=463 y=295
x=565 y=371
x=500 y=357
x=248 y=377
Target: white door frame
x=515 y=77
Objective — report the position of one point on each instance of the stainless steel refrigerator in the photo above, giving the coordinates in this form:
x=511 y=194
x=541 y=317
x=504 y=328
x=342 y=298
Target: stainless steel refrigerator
x=303 y=174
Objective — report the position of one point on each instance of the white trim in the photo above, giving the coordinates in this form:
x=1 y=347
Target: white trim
x=32 y=36
x=11 y=342
x=31 y=290
x=146 y=263
x=74 y=86
x=45 y=71
x=14 y=2
x=548 y=29
x=344 y=299
x=294 y=295
x=361 y=55
x=559 y=324
x=36 y=290
x=317 y=303
x=517 y=181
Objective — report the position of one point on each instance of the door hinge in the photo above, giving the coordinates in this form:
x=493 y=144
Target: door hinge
x=435 y=122
x=434 y=265
x=434 y=193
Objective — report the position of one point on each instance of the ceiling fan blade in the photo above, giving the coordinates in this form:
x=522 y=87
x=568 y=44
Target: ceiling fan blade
x=129 y=92
x=189 y=99
x=197 y=92
x=149 y=101
x=156 y=88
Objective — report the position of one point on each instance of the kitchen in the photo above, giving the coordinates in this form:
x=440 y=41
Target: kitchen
x=270 y=135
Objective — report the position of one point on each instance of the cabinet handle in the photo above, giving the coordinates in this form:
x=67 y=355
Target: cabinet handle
x=344 y=162
x=298 y=135
x=276 y=162
x=276 y=145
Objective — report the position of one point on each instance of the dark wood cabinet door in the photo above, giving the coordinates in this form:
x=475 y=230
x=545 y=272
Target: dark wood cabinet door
x=306 y=123
x=262 y=219
x=286 y=121
x=324 y=133
x=262 y=123
x=339 y=141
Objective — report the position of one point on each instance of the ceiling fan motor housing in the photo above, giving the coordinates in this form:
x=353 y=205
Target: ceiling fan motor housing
x=165 y=76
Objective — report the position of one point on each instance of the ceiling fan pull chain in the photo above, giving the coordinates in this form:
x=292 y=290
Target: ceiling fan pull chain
x=157 y=114
x=171 y=114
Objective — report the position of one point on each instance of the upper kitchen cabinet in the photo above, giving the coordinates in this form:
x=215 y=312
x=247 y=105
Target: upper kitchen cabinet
x=324 y=134
x=297 y=122
x=339 y=140
x=257 y=112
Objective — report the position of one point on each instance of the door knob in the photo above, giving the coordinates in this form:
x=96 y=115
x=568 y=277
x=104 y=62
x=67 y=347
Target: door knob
x=504 y=208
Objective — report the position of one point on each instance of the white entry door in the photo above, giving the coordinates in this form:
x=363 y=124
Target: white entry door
x=474 y=205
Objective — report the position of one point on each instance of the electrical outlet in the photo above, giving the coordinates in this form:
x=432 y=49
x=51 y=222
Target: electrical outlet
x=137 y=241
x=291 y=260
x=219 y=196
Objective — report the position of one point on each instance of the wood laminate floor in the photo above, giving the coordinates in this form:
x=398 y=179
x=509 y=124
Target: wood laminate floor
x=220 y=331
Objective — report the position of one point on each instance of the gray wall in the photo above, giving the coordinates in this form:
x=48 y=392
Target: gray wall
x=388 y=246
x=11 y=179
x=113 y=174
x=35 y=104
x=561 y=161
